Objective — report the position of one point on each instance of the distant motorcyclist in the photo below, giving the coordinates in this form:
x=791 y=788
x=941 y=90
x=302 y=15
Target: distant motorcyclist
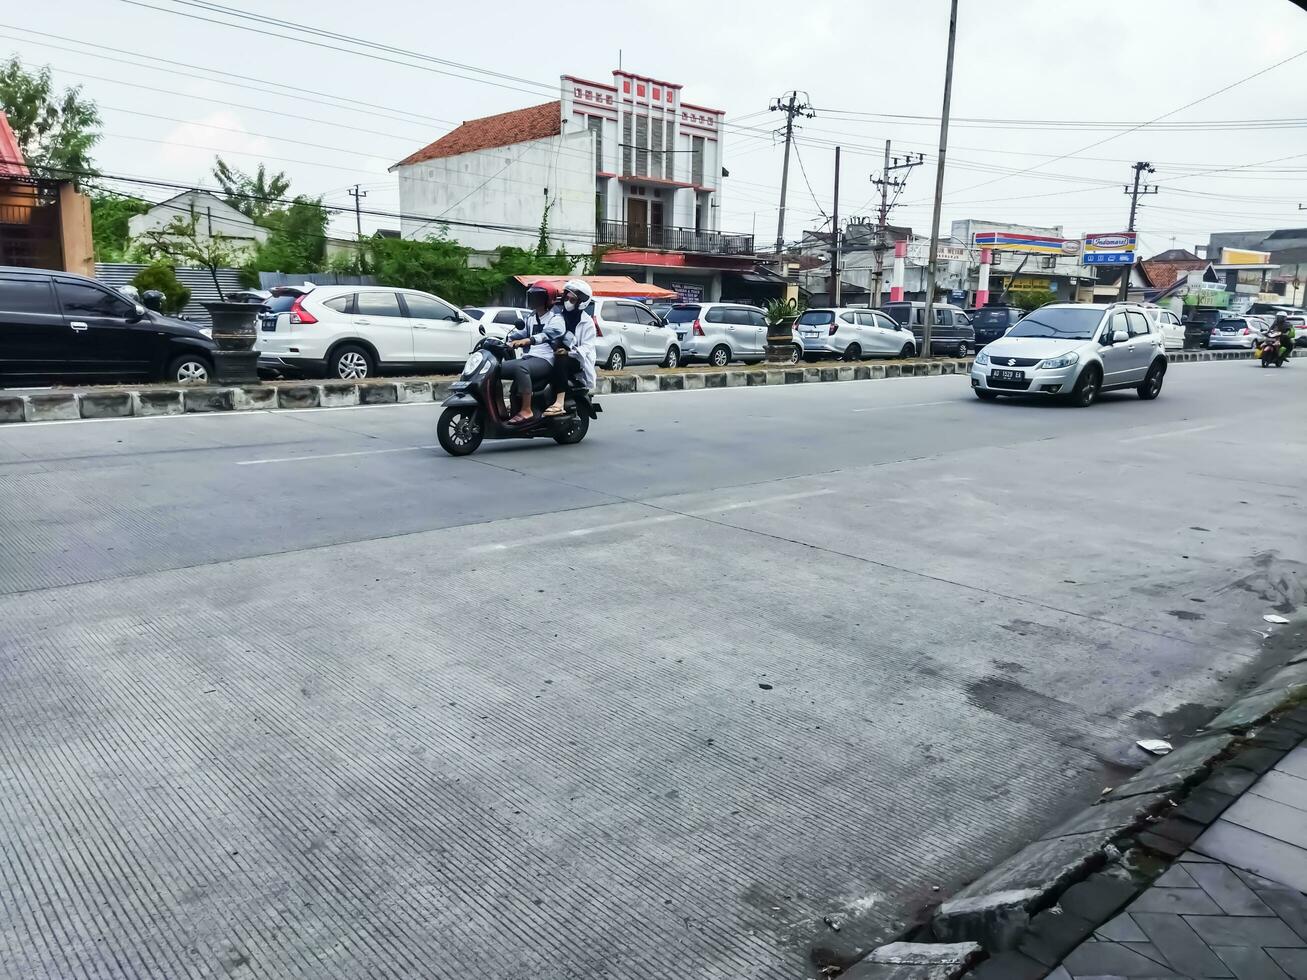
x=576 y=350
x=1280 y=338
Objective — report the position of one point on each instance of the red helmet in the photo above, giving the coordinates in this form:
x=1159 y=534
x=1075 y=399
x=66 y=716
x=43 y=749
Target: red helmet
x=541 y=294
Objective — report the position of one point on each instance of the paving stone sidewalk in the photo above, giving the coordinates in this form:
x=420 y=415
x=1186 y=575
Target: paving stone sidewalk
x=1232 y=906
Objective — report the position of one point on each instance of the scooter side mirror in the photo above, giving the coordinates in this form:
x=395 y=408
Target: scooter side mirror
x=519 y=324
x=482 y=328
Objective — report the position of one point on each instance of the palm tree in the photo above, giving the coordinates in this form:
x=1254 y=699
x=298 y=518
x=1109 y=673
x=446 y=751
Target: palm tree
x=252 y=196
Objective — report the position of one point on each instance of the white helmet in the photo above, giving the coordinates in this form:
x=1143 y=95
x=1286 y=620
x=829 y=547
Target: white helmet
x=580 y=287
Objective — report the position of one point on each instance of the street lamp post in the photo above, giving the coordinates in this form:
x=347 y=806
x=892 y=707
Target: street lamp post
x=939 y=180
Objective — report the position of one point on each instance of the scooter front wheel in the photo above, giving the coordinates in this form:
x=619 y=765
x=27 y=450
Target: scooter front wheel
x=460 y=430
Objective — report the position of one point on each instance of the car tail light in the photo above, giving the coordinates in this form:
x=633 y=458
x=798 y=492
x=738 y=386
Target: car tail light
x=300 y=315
x=698 y=330
x=599 y=330
x=833 y=328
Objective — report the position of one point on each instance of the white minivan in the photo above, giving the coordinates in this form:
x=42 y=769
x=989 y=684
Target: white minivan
x=351 y=332
x=719 y=332
x=852 y=334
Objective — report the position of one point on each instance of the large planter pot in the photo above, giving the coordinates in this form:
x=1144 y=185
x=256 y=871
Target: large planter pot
x=235 y=325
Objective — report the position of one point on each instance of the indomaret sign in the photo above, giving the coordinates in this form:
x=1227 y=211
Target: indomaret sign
x=1008 y=241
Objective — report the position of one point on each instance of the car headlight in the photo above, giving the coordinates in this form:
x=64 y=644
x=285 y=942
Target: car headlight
x=982 y=358
x=1066 y=360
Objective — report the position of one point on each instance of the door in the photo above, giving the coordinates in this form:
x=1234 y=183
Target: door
x=652 y=339
x=380 y=321
x=1142 y=346
x=886 y=338
x=944 y=333
x=637 y=221
x=440 y=333
x=110 y=338
x=1117 y=363
x=866 y=331
x=1172 y=331
x=758 y=320
x=34 y=339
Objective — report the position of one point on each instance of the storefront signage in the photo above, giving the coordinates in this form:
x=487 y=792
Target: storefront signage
x=1029 y=244
x=1110 y=248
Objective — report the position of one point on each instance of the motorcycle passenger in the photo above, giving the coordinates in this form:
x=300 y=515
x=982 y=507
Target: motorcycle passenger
x=1280 y=338
x=543 y=331
x=576 y=350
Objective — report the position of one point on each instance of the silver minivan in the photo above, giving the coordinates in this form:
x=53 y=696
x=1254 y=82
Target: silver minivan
x=852 y=334
x=628 y=332
x=719 y=332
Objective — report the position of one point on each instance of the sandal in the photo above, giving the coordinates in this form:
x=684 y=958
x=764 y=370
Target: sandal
x=554 y=411
x=520 y=419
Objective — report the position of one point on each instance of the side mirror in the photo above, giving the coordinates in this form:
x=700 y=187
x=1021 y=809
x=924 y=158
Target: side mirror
x=519 y=324
x=482 y=328
x=1119 y=337
x=137 y=314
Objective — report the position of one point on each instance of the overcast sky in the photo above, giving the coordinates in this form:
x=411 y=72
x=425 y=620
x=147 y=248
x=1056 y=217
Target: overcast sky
x=1061 y=64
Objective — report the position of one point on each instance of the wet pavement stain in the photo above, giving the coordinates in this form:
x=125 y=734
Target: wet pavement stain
x=1184 y=614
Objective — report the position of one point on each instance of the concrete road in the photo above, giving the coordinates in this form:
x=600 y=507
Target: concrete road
x=296 y=695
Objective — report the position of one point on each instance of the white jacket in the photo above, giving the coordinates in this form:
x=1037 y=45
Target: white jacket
x=583 y=348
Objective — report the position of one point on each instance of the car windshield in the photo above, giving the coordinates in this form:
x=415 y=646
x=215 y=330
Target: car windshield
x=682 y=314
x=279 y=304
x=1060 y=322
x=1228 y=325
x=990 y=318
x=815 y=317
x=899 y=313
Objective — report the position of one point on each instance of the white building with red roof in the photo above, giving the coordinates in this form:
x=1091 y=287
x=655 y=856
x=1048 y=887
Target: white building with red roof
x=627 y=165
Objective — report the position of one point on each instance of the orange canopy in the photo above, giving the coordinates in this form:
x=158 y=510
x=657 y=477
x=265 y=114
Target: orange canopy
x=606 y=286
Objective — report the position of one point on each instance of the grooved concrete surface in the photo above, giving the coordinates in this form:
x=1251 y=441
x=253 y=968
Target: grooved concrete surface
x=289 y=695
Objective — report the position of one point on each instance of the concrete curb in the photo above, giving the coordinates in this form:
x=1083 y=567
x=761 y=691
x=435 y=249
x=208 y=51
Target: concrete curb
x=1032 y=909
x=147 y=402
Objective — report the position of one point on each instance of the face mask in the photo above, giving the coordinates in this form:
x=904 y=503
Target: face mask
x=569 y=305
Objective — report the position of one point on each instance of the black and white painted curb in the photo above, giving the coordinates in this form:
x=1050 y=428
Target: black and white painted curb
x=60 y=406
x=1030 y=911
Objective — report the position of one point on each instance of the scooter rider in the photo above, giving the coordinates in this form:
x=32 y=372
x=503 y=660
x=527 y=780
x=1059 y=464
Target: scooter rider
x=576 y=351
x=544 y=330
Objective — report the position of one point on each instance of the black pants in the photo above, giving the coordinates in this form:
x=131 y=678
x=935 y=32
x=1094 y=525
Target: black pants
x=525 y=371
x=565 y=368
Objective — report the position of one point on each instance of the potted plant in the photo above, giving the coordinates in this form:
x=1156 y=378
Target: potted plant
x=780 y=315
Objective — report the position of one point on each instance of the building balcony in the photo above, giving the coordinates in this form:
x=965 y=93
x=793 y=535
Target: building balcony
x=672 y=239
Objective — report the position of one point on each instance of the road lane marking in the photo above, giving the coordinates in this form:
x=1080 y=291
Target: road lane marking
x=303 y=459
x=582 y=532
x=888 y=408
x=1172 y=432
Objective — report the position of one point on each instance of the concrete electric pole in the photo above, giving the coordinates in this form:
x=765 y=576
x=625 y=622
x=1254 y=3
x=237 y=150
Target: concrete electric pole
x=358 y=195
x=885 y=183
x=835 y=235
x=1140 y=168
x=791 y=106
x=939 y=180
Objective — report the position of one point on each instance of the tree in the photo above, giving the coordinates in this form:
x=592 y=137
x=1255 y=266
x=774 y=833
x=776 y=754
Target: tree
x=434 y=265
x=254 y=196
x=55 y=131
x=162 y=276
x=1032 y=299
x=110 y=214
x=182 y=241
x=297 y=241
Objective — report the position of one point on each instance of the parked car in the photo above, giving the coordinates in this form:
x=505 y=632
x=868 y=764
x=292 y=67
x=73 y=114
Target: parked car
x=351 y=332
x=719 y=332
x=992 y=322
x=628 y=332
x=60 y=326
x=950 y=332
x=1236 y=332
x=1198 y=326
x=852 y=334
x=1169 y=325
x=498 y=320
x=1299 y=324
x=1074 y=351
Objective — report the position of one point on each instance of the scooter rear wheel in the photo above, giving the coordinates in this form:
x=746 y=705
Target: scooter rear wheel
x=460 y=430
x=573 y=430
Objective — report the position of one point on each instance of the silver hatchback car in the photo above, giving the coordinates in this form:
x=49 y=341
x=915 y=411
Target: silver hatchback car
x=1074 y=351
x=719 y=332
x=853 y=334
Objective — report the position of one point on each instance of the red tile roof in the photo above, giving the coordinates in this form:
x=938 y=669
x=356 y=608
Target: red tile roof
x=1163 y=273
x=485 y=133
x=11 y=157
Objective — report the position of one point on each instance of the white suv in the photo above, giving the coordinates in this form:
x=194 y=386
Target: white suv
x=350 y=332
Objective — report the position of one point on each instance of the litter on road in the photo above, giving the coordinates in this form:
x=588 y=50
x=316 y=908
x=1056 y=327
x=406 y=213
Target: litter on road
x=1273 y=618
x=1154 y=746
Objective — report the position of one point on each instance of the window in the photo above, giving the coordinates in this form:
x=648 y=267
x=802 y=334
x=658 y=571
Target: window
x=848 y=318
x=814 y=318
x=1118 y=322
x=717 y=314
x=1138 y=324
x=670 y=144
x=628 y=138
x=941 y=318
x=682 y=314
x=756 y=318
x=884 y=322
x=341 y=304
x=429 y=308
x=656 y=147
x=509 y=317
x=642 y=315
x=596 y=125
x=642 y=145
x=696 y=160
x=376 y=304
x=624 y=313
x=27 y=296
x=83 y=299
x=865 y=320
x=900 y=314
x=737 y=315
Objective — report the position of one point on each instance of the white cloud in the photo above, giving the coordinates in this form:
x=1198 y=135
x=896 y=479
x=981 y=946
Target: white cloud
x=191 y=146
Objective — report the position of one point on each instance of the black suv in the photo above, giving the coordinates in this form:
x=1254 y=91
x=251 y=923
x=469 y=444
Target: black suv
x=992 y=322
x=57 y=325
x=1198 y=326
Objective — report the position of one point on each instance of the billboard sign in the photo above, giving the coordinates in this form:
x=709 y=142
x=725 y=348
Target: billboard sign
x=1030 y=244
x=1110 y=248
x=943 y=253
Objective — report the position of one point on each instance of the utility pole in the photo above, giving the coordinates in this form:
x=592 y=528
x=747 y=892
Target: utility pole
x=791 y=106
x=358 y=195
x=885 y=183
x=939 y=179
x=1140 y=169
x=835 y=235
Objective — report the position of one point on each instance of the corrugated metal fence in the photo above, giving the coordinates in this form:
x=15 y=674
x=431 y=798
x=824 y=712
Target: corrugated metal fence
x=269 y=279
x=117 y=274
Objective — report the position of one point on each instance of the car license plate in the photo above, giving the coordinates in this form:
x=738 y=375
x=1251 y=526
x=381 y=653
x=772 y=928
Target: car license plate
x=1008 y=375
x=811 y=334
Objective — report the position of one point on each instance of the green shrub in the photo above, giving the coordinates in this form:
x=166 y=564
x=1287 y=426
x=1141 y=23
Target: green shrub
x=161 y=276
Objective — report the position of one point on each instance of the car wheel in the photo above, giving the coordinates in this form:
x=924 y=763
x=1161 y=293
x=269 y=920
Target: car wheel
x=350 y=363
x=1086 y=389
x=985 y=395
x=616 y=360
x=1152 y=386
x=188 y=369
x=720 y=356
x=460 y=430
x=573 y=430
x=796 y=354
x=673 y=358
x=963 y=350
x=853 y=352
x=907 y=351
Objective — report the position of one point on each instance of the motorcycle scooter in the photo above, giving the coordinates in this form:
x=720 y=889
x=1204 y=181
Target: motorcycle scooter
x=475 y=410
x=1273 y=350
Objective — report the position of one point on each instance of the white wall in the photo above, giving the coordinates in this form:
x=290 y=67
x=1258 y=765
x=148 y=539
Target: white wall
x=214 y=215
x=505 y=186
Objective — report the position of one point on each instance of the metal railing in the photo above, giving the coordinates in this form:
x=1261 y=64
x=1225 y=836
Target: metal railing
x=673 y=239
